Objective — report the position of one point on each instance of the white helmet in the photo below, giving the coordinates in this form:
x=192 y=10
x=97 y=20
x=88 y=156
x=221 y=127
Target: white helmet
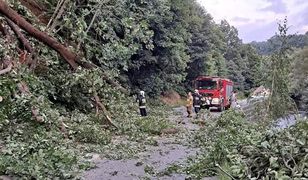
x=142 y=93
x=196 y=91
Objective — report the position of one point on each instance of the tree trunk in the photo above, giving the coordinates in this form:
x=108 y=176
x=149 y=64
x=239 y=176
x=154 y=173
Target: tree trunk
x=68 y=55
x=20 y=36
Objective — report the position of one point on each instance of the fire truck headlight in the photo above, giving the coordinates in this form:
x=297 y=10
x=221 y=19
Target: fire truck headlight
x=215 y=101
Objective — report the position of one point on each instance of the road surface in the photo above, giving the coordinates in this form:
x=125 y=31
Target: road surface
x=170 y=149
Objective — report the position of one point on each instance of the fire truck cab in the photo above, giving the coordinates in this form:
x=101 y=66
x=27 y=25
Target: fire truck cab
x=215 y=91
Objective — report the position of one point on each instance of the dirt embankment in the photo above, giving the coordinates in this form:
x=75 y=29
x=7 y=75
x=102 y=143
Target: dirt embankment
x=172 y=98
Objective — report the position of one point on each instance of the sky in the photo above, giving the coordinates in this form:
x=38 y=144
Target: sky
x=256 y=20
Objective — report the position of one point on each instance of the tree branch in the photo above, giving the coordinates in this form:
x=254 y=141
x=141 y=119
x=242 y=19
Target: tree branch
x=225 y=172
x=7 y=69
x=103 y=108
x=90 y=25
x=37 y=8
x=67 y=55
x=59 y=14
x=20 y=36
x=105 y=77
x=54 y=13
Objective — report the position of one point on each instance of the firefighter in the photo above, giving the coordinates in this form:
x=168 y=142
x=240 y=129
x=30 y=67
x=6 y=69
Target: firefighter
x=197 y=102
x=234 y=102
x=141 y=100
x=189 y=104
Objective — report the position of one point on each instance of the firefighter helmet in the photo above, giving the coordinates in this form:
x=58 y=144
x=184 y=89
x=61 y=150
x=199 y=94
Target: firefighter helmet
x=142 y=93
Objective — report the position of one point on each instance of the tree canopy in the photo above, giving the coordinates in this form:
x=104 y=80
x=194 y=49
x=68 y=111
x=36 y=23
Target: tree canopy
x=69 y=69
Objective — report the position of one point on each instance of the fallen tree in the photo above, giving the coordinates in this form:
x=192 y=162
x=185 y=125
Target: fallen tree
x=20 y=36
x=69 y=56
x=16 y=21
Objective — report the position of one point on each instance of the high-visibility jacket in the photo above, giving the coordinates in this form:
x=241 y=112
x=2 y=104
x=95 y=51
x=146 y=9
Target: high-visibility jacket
x=189 y=101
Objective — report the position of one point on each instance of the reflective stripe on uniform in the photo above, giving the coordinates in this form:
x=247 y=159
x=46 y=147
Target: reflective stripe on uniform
x=141 y=107
x=197 y=106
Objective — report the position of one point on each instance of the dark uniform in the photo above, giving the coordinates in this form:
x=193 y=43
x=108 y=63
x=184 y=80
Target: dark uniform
x=141 y=100
x=205 y=103
x=197 y=102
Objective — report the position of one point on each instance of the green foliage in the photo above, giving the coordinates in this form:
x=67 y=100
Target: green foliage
x=163 y=67
x=151 y=45
x=90 y=130
x=171 y=43
x=206 y=46
x=139 y=128
x=44 y=149
x=299 y=76
x=231 y=146
x=152 y=125
x=279 y=155
x=279 y=101
x=219 y=141
x=39 y=156
x=31 y=148
x=273 y=44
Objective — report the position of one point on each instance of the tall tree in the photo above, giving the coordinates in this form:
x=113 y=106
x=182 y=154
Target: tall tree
x=235 y=63
x=206 y=45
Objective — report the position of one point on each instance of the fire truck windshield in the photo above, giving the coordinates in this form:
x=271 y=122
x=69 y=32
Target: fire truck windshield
x=207 y=84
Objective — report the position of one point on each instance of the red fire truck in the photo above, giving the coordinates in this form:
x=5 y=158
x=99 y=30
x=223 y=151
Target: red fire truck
x=216 y=91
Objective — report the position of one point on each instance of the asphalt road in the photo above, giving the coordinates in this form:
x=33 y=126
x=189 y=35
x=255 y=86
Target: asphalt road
x=170 y=149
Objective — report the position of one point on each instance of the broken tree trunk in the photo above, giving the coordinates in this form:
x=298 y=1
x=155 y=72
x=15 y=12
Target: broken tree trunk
x=20 y=36
x=100 y=105
x=68 y=55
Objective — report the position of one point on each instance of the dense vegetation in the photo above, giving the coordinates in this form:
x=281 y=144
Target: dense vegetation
x=299 y=78
x=154 y=45
x=297 y=56
x=271 y=45
x=66 y=85
x=233 y=148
